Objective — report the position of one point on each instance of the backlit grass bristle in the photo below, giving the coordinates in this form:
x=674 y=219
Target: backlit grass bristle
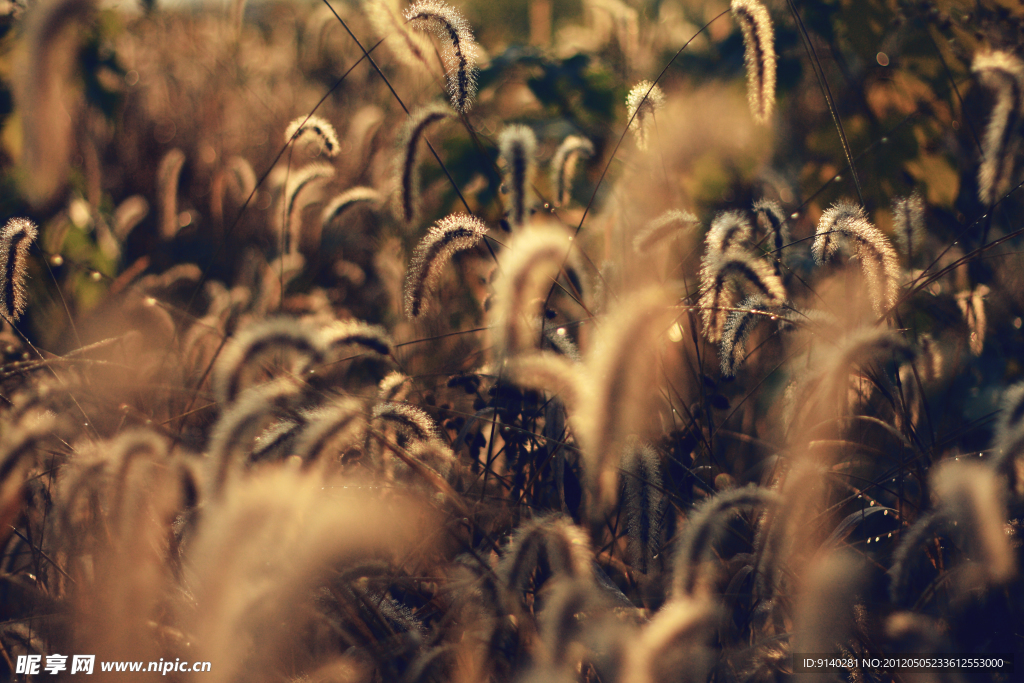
x=231 y=436
x=345 y=336
x=759 y=55
x=412 y=48
x=552 y=540
x=436 y=456
x=307 y=178
x=407 y=419
x=642 y=103
x=342 y=421
x=408 y=144
x=772 y=220
x=666 y=226
x=394 y=387
x=167 y=175
x=732 y=269
x=644 y=504
x=268 y=335
x=845 y=223
x=518 y=146
x=457 y=232
x=704 y=526
x=459 y=49
x=560 y=627
x=313 y=130
x=738 y=327
x=1003 y=74
x=528 y=267
x=343 y=201
x=924 y=527
x=729 y=229
x=15 y=238
x=863 y=346
x=908 y=223
x=563 y=166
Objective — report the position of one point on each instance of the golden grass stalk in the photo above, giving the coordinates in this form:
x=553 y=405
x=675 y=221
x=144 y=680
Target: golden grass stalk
x=455 y=233
x=459 y=49
x=1003 y=74
x=518 y=146
x=310 y=130
x=644 y=504
x=643 y=100
x=52 y=31
x=527 y=269
x=662 y=228
x=15 y=238
x=343 y=201
x=240 y=352
x=617 y=395
x=908 y=222
x=759 y=55
x=409 y=144
x=308 y=177
x=563 y=165
x=845 y=223
x=721 y=275
x=410 y=47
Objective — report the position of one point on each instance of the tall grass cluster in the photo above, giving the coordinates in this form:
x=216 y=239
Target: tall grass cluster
x=616 y=340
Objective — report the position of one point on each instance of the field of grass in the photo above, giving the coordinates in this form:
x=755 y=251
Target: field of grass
x=625 y=341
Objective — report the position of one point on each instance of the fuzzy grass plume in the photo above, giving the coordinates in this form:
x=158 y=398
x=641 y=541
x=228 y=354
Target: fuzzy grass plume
x=412 y=48
x=313 y=130
x=662 y=228
x=455 y=233
x=644 y=503
x=563 y=166
x=908 y=223
x=408 y=143
x=527 y=269
x=772 y=220
x=846 y=224
x=345 y=200
x=240 y=352
x=704 y=526
x=642 y=102
x=759 y=55
x=167 y=176
x=15 y=238
x=1003 y=74
x=721 y=274
x=300 y=185
x=42 y=83
x=459 y=48
x=738 y=328
x=518 y=146
x=616 y=400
